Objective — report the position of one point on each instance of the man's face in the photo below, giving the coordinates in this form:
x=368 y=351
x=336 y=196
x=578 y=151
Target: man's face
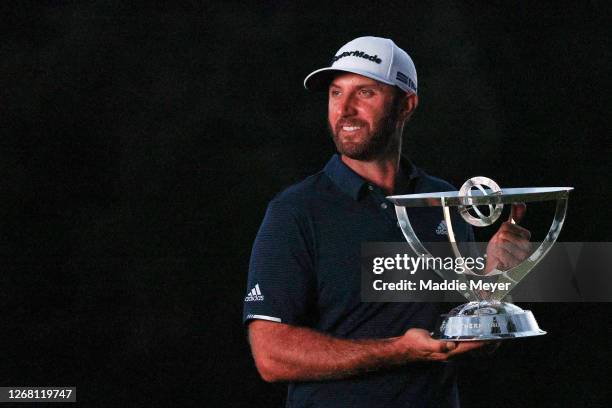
x=363 y=116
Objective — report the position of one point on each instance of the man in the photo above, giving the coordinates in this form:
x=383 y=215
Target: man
x=307 y=325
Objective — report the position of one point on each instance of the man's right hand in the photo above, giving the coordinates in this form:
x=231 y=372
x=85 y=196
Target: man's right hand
x=418 y=345
x=283 y=352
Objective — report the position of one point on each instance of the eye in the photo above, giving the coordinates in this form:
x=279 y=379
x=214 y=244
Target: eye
x=334 y=92
x=366 y=92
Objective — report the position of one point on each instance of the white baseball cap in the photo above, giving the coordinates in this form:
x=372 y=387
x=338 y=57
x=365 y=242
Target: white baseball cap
x=373 y=57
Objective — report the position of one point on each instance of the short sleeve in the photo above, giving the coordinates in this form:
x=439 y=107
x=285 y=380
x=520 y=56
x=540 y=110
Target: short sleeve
x=281 y=284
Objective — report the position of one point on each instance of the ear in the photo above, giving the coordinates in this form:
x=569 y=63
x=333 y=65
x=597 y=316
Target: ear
x=409 y=105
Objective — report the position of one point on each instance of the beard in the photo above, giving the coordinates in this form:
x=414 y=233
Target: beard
x=377 y=144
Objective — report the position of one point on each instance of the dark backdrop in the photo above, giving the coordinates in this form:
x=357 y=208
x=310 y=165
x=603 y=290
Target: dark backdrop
x=141 y=143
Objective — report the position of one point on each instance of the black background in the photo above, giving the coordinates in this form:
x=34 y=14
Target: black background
x=142 y=141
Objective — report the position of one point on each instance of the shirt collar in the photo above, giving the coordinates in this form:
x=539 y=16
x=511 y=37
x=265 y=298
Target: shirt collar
x=352 y=183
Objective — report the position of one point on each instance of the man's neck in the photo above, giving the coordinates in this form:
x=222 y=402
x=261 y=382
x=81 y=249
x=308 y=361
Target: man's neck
x=382 y=173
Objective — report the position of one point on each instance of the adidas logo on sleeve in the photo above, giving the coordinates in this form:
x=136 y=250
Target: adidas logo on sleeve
x=254 y=295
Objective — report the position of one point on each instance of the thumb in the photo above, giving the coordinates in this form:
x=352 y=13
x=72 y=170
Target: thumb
x=518 y=212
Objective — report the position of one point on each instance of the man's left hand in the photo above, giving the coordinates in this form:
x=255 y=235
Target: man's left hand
x=510 y=244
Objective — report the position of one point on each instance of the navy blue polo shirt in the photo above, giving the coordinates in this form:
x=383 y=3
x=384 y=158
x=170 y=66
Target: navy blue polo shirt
x=305 y=271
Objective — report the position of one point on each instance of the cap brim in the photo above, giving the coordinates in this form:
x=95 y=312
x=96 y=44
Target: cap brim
x=320 y=79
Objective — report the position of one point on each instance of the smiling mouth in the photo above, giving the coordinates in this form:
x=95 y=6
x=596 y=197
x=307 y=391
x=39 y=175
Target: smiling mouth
x=351 y=128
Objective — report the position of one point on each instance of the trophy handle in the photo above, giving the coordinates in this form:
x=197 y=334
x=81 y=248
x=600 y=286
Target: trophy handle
x=516 y=274
x=420 y=250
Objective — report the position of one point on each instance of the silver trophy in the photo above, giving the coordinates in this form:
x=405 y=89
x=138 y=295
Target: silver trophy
x=485 y=316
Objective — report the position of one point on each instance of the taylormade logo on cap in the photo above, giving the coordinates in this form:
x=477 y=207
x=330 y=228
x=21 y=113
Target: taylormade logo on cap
x=359 y=54
x=373 y=57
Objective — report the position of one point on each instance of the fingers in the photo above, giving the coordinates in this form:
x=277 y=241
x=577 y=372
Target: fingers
x=513 y=231
x=466 y=346
x=440 y=350
x=451 y=348
x=509 y=254
x=446 y=346
x=421 y=346
x=456 y=349
x=440 y=346
x=518 y=246
x=510 y=245
x=518 y=211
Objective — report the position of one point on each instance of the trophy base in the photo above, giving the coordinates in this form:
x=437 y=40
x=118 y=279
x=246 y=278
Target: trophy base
x=487 y=320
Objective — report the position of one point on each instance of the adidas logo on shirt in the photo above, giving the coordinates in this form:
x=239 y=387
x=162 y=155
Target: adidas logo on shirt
x=441 y=230
x=254 y=295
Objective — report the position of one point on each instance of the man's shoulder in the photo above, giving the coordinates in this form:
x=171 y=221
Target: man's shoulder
x=303 y=193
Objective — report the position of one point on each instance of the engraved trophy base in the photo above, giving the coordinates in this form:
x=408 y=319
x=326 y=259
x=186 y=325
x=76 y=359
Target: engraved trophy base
x=487 y=320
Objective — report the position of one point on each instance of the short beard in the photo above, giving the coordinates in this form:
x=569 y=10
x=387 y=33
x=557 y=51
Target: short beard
x=381 y=143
